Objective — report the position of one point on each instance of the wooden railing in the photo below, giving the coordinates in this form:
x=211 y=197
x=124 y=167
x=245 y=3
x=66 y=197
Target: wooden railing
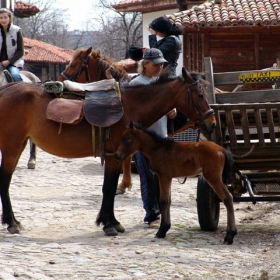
x=246 y=118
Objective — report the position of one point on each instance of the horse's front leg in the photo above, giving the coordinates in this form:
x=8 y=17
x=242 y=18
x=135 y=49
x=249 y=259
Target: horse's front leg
x=164 y=202
x=126 y=182
x=32 y=159
x=106 y=214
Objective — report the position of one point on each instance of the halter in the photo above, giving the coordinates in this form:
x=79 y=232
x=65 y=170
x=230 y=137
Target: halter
x=201 y=116
x=84 y=67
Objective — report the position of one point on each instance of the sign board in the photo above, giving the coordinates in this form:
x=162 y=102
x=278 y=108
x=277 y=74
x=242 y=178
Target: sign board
x=259 y=76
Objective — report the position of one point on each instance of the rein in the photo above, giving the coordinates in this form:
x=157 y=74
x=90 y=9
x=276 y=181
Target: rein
x=102 y=66
x=84 y=67
x=201 y=116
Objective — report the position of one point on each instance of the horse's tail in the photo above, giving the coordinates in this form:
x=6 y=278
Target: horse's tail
x=228 y=170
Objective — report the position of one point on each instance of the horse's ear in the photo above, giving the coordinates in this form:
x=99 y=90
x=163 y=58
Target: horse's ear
x=132 y=127
x=88 y=51
x=186 y=75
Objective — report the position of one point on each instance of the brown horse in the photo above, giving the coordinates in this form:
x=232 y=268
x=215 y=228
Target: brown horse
x=171 y=159
x=29 y=103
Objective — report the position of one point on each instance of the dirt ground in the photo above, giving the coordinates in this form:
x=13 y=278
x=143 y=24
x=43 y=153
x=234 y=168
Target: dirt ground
x=58 y=202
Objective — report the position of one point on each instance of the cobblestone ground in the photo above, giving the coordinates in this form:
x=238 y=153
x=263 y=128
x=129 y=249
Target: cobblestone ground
x=58 y=202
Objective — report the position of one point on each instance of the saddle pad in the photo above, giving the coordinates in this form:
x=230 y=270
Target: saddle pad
x=103 y=85
x=103 y=108
x=53 y=87
x=65 y=110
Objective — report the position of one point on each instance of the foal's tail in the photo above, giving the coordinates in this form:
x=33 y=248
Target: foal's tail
x=228 y=170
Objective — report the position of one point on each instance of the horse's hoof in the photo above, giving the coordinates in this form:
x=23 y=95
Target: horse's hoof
x=31 y=164
x=120 y=191
x=228 y=241
x=160 y=235
x=119 y=228
x=15 y=229
x=111 y=231
x=229 y=237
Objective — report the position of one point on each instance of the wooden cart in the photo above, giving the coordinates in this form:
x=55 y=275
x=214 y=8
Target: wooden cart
x=246 y=120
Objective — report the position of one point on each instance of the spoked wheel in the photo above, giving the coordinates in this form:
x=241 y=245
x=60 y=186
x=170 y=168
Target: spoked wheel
x=208 y=206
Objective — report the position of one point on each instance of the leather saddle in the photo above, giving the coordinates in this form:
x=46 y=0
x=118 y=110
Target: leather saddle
x=103 y=108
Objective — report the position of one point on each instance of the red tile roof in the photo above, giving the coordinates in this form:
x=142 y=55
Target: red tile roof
x=37 y=51
x=230 y=13
x=23 y=9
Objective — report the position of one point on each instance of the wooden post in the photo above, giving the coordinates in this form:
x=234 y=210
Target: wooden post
x=210 y=78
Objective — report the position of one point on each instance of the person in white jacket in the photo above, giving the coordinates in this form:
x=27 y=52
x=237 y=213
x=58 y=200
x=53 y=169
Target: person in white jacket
x=11 y=44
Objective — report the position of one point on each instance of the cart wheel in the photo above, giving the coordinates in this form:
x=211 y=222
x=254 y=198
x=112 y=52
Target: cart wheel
x=208 y=206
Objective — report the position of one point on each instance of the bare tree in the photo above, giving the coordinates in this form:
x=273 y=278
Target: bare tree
x=117 y=30
x=110 y=31
x=49 y=25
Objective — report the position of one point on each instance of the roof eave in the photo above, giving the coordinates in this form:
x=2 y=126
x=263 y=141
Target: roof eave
x=148 y=8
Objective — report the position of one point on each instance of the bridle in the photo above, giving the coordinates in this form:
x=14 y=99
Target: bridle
x=84 y=67
x=201 y=116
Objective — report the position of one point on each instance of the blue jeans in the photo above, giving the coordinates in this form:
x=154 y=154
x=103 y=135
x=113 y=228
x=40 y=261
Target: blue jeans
x=149 y=187
x=14 y=71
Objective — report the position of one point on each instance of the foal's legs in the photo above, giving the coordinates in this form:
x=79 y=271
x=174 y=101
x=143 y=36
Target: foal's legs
x=32 y=159
x=222 y=191
x=10 y=157
x=126 y=182
x=164 y=203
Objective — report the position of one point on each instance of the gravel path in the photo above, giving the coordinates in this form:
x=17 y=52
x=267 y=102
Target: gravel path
x=58 y=202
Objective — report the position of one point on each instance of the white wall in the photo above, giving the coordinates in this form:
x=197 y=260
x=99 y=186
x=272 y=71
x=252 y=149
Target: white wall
x=147 y=19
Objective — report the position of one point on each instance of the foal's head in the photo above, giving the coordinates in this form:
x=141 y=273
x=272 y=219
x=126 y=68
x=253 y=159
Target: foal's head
x=129 y=143
x=136 y=138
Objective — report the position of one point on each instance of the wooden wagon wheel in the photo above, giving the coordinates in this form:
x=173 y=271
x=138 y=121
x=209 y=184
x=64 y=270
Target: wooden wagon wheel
x=208 y=206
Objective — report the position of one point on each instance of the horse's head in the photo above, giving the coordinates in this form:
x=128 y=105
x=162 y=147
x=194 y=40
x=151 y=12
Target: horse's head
x=77 y=69
x=88 y=66
x=198 y=109
x=129 y=143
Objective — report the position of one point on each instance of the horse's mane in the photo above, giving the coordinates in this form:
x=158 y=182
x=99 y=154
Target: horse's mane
x=165 y=77
x=106 y=61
